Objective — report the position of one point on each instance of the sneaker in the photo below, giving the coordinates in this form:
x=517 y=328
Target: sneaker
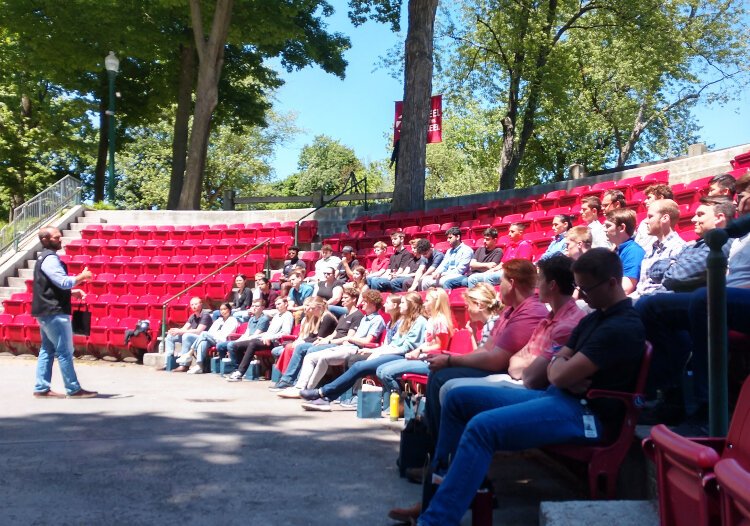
x=309 y=394
x=319 y=404
x=236 y=376
x=349 y=405
x=196 y=369
x=279 y=386
x=289 y=392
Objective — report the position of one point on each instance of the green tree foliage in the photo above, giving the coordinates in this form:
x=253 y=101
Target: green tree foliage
x=239 y=159
x=602 y=82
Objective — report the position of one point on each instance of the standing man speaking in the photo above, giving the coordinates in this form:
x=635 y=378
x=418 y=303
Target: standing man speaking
x=53 y=289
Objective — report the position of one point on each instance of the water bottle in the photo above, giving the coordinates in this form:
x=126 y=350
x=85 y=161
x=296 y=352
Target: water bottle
x=395 y=406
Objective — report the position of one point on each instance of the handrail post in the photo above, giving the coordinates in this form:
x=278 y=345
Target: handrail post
x=268 y=260
x=718 y=398
x=164 y=327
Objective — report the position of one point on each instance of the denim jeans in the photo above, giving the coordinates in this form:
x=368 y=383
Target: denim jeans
x=454 y=282
x=360 y=369
x=667 y=321
x=295 y=362
x=337 y=310
x=381 y=284
x=389 y=372
x=737 y=320
x=186 y=339
x=477 y=421
x=435 y=382
x=202 y=344
x=57 y=340
x=493 y=278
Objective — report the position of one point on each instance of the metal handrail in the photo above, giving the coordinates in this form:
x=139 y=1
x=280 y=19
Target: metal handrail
x=716 y=291
x=32 y=214
x=266 y=242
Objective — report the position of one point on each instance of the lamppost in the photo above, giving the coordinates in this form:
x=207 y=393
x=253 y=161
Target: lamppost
x=111 y=63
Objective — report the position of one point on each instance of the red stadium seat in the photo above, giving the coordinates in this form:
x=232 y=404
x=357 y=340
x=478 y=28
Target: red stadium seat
x=91 y=231
x=734 y=481
x=550 y=199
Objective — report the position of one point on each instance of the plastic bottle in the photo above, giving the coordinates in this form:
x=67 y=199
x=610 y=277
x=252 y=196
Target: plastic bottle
x=395 y=406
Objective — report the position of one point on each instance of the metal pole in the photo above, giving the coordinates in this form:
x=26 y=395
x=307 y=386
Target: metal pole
x=268 y=260
x=111 y=119
x=718 y=398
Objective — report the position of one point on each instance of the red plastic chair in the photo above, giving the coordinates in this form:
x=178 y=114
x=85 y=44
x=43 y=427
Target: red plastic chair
x=604 y=460
x=460 y=344
x=734 y=481
x=144 y=232
x=307 y=231
x=573 y=197
x=550 y=199
x=90 y=232
x=109 y=232
x=77 y=263
x=162 y=233
x=685 y=467
x=18 y=303
x=99 y=305
x=280 y=246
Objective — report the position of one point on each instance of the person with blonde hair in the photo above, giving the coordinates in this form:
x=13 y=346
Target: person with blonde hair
x=410 y=334
x=579 y=241
x=315 y=365
x=437 y=337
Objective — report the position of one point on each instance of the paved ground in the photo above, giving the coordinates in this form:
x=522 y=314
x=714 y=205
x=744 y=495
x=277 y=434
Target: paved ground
x=168 y=448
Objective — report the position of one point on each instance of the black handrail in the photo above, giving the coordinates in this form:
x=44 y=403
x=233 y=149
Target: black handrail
x=716 y=291
x=266 y=242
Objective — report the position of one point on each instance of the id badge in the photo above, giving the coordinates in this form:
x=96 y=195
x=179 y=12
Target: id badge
x=589 y=426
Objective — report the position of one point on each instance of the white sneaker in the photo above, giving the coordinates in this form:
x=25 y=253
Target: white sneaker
x=196 y=369
x=289 y=392
x=236 y=376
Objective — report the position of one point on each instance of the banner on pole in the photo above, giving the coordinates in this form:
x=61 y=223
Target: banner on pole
x=434 y=124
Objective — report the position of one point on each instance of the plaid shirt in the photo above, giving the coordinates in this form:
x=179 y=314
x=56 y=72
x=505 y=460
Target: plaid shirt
x=687 y=270
x=660 y=250
x=551 y=332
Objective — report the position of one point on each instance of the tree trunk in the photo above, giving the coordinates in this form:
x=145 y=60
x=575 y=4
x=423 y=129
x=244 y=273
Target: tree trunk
x=210 y=62
x=181 y=122
x=101 y=154
x=408 y=191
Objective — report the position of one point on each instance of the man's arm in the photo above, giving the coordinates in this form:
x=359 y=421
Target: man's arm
x=571 y=370
x=535 y=375
x=496 y=360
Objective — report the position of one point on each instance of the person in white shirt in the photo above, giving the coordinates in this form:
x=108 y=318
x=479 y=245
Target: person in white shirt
x=591 y=207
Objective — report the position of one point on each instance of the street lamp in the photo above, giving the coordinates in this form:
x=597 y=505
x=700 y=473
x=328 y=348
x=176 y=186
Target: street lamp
x=112 y=64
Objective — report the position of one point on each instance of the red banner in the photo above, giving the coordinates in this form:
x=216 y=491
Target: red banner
x=434 y=124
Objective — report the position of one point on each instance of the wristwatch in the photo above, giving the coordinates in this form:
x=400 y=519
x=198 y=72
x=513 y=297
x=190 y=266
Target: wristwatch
x=555 y=357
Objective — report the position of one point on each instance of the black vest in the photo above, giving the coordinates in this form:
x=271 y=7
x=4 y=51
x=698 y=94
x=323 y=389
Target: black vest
x=48 y=299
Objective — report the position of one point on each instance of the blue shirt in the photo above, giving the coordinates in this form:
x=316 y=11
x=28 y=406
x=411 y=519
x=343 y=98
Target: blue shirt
x=631 y=254
x=53 y=269
x=298 y=296
x=456 y=260
x=257 y=324
x=371 y=325
x=558 y=246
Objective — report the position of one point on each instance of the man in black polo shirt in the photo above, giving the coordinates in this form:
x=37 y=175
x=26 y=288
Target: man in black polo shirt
x=399 y=263
x=604 y=351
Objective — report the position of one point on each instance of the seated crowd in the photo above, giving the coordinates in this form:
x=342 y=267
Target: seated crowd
x=543 y=333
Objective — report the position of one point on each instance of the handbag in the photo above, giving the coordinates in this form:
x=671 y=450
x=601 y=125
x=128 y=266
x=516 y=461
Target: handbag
x=369 y=401
x=81 y=321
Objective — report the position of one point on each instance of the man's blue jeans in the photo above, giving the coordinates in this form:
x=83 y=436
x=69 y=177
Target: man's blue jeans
x=295 y=362
x=454 y=282
x=667 y=321
x=738 y=305
x=390 y=372
x=359 y=370
x=57 y=340
x=493 y=278
x=477 y=421
x=435 y=382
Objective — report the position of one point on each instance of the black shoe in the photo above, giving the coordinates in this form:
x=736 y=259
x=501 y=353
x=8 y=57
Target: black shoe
x=309 y=394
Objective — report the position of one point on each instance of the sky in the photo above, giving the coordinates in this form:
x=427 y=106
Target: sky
x=358 y=111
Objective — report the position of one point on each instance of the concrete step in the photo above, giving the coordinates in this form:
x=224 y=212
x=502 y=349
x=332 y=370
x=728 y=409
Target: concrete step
x=154 y=359
x=18 y=282
x=599 y=513
x=27 y=273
